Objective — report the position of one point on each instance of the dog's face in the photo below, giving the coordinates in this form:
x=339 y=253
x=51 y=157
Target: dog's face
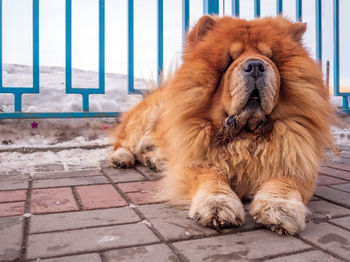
x=248 y=58
x=251 y=87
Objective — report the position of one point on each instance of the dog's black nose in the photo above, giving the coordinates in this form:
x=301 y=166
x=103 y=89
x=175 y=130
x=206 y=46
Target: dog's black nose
x=254 y=68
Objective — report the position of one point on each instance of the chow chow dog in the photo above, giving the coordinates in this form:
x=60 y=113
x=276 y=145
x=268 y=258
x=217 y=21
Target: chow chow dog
x=246 y=115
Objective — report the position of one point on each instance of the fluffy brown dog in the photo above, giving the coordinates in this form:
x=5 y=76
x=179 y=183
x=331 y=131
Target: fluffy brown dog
x=245 y=115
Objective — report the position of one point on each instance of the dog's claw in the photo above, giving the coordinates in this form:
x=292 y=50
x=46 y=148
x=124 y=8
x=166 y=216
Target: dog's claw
x=215 y=223
x=222 y=223
x=279 y=230
x=196 y=217
x=151 y=165
x=116 y=163
x=218 y=223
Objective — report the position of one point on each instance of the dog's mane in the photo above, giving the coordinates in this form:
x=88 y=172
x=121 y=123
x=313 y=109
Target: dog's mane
x=301 y=120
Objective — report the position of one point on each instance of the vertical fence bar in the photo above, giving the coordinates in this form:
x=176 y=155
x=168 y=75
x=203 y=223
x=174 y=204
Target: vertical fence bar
x=345 y=102
x=68 y=46
x=279 y=7
x=131 y=46
x=35 y=46
x=336 y=46
x=101 y=46
x=319 y=31
x=235 y=7
x=85 y=97
x=0 y=44
x=299 y=10
x=211 y=7
x=18 y=102
x=256 y=8
x=185 y=18
x=160 y=40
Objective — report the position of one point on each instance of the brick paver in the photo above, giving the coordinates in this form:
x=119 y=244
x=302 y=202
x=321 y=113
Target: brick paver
x=73 y=181
x=140 y=193
x=12 y=176
x=343 y=187
x=344 y=222
x=143 y=186
x=66 y=174
x=78 y=258
x=13 y=184
x=334 y=195
x=173 y=223
x=341 y=167
x=158 y=252
x=150 y=174
x=241 y=246
x=100 y=196
x=335 y=173
x=11 y=230
x=123 y=175
x=324 y=180
x=141 y=198
x=52 y=200
x=13 y=196
x=11 y=209
x=328 y=237
x=78 y=215
x=50 y=167
x=89 y=240
x=84 y=219
x=314 y=256
x=82 y=166
x=325 y=210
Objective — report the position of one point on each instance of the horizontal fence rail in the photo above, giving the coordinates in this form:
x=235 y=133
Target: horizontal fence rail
x=209 y=7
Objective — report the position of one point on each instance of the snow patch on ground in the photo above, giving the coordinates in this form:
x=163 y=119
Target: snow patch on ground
x=56 y=133
x=16 y=161
x=341 y=135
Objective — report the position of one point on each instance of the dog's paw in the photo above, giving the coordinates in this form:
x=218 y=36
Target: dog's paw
x=217 y=210
x=284 y=216
x=152 y=160
x=122 y=158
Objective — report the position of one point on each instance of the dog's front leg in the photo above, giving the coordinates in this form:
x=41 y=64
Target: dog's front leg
x=214 y=204
x=280 y=204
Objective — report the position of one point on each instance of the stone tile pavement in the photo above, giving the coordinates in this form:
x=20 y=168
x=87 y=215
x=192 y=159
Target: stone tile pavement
x=104 y=214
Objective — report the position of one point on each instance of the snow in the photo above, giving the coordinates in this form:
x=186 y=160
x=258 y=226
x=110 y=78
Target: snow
x=53 y=133
x=27 y=215
x=342 y=133
x=146 y=222
x=52 y=97
x=108 y=239
x=71 y=159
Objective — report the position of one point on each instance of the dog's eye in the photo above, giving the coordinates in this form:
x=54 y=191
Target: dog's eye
x=230 y=61
x=275 y=60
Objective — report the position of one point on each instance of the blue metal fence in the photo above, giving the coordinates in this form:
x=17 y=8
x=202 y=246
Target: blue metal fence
x=209 y=7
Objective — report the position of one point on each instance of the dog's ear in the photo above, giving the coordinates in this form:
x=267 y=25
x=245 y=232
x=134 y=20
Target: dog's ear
x=297 y=31
x=203 y=26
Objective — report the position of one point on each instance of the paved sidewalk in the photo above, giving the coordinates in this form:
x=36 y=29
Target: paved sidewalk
x=59 y=213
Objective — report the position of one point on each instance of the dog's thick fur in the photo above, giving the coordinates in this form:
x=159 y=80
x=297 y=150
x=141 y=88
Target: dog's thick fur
x=213 y=148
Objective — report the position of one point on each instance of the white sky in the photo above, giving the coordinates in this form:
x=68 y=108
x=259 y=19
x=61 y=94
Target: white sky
x=17 y=32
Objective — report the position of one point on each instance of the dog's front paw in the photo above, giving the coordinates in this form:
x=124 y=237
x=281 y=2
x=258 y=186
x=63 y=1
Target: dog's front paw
x=284 y=216
x=217 y=210
x=123 y=158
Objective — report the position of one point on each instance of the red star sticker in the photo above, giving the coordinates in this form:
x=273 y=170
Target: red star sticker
x=34 y=124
